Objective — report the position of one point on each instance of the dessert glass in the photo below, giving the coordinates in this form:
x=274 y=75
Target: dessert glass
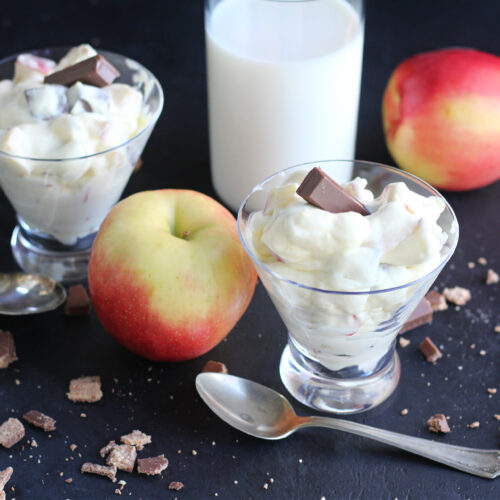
x=59 y=213
x=328 y=364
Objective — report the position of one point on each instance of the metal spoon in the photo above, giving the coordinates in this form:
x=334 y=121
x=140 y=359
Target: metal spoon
x=264 y=413
x=22 y=293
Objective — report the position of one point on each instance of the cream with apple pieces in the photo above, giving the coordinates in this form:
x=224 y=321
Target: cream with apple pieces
x=397 y=243
x=168 y=276
x=68 y=195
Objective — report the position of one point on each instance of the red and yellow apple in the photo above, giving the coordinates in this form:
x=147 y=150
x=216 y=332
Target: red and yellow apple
x=168 y=276
x=441 y=115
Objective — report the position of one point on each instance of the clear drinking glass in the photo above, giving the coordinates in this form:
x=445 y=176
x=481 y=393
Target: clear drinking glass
x=334 y=361
x=283 y=81
x=61 y=203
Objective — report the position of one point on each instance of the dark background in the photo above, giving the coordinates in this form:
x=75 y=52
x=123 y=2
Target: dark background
x=167 y=37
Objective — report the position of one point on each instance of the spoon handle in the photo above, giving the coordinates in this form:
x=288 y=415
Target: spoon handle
x=484 y=463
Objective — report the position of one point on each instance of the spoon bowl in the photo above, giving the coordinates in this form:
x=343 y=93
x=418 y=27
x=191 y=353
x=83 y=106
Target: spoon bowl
x=22 y=294
x=262 y=412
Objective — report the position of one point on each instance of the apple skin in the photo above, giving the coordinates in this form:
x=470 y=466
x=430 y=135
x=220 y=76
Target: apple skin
x=168 y=276
x=441 y=116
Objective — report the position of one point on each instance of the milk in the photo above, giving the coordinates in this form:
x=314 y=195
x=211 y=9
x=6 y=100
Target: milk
x=283 y=88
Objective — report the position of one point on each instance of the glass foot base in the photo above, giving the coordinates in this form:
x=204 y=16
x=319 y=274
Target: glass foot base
x=63 y=264
x=336 y=395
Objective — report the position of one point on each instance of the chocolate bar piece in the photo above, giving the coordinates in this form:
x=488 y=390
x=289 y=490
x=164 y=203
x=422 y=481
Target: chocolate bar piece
x=152 y=466
x=96 y=71
x=420 y=316
x=100 y=470
x=214 y=366
x=78 y=301
x=85 y=390
x=323 y=192
x=7 y=349
x=430 y=350
x=38 y=419
x=11 y=432
x=438 y=423
x=123 y=457
x=136 y=438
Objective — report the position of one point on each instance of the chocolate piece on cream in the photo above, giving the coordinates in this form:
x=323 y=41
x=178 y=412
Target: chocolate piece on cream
x=323 y=192
x=96 y=71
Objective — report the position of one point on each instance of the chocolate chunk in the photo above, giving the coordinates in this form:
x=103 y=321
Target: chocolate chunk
x=214 y=366
x=11 y=432
x=123 y=457
x=96 y=71
x=100 y=470
x=7 y=349
x=106 y=449
x=136 y=438
x=323 y=192
x=175 y=485
x=5 y=476
x=457 y=295
x=78 y=301
x=420 y=316
x=437 y=301
x=492 y=277
x=47 y=102
x=430 y=350
x=38 y=419
x=85 y=390
x=152 y=466
x=438 y=423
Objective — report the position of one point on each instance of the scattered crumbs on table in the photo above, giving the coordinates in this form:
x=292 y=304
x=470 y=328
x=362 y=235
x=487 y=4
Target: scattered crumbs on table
x=404 y=411
x=492 y=390
x=474 y=425
x=403 y=342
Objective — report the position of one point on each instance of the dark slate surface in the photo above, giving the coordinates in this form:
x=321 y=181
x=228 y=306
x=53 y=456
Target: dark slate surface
x=168 y=38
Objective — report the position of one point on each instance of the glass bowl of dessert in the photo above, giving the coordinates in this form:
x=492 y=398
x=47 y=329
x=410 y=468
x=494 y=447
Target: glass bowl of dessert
x=345 y=282
x=73 y=125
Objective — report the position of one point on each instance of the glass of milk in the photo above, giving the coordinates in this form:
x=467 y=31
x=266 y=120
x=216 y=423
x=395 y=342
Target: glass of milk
x=283 y=87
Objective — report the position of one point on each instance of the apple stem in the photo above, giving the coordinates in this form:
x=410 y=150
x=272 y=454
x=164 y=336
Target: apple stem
x=186 y=233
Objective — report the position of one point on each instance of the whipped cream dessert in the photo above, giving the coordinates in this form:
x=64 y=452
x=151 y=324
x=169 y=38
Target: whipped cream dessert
x=46 y=129
x=399 y=242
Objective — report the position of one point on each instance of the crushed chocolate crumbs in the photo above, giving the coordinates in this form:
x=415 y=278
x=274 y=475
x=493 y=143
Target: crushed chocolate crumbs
x=474 y=425
x=106 y=449
x=214 y=366
x=492 y=277
x=175 y=485
x=136 y=438
x=123 y=457
x=457 y=295
x=438 y=423
x=492 y=390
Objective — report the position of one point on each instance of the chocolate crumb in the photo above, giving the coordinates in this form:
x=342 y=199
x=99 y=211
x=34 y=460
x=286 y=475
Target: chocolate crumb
x=403 y=342
x=497 y=329
x=438 y=423
x=497 y=416
x=457 y=295
x=69 y=480
x=214 y=366
x=41 y=420
x=482 y=261
x=123 y=457
x=265 y=486
x=474 y=425
x=85 y=390
x=11 y=432
x=136 y=438
x=175 y=485
x=492 y=390
x=5 y=476
x=78 y=301
x=429 y=350
x=106 y=449
x=404 y=411
x=72 y=447
x=492 y=277
x=100 y=470
x=7 y=349
x=482 y=352
x=437 y=301
x=152 y=465
x=471 y=265
x=118 y=491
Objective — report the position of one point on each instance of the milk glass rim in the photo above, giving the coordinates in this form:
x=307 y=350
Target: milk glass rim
x=149 y=125
x=397 y=171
